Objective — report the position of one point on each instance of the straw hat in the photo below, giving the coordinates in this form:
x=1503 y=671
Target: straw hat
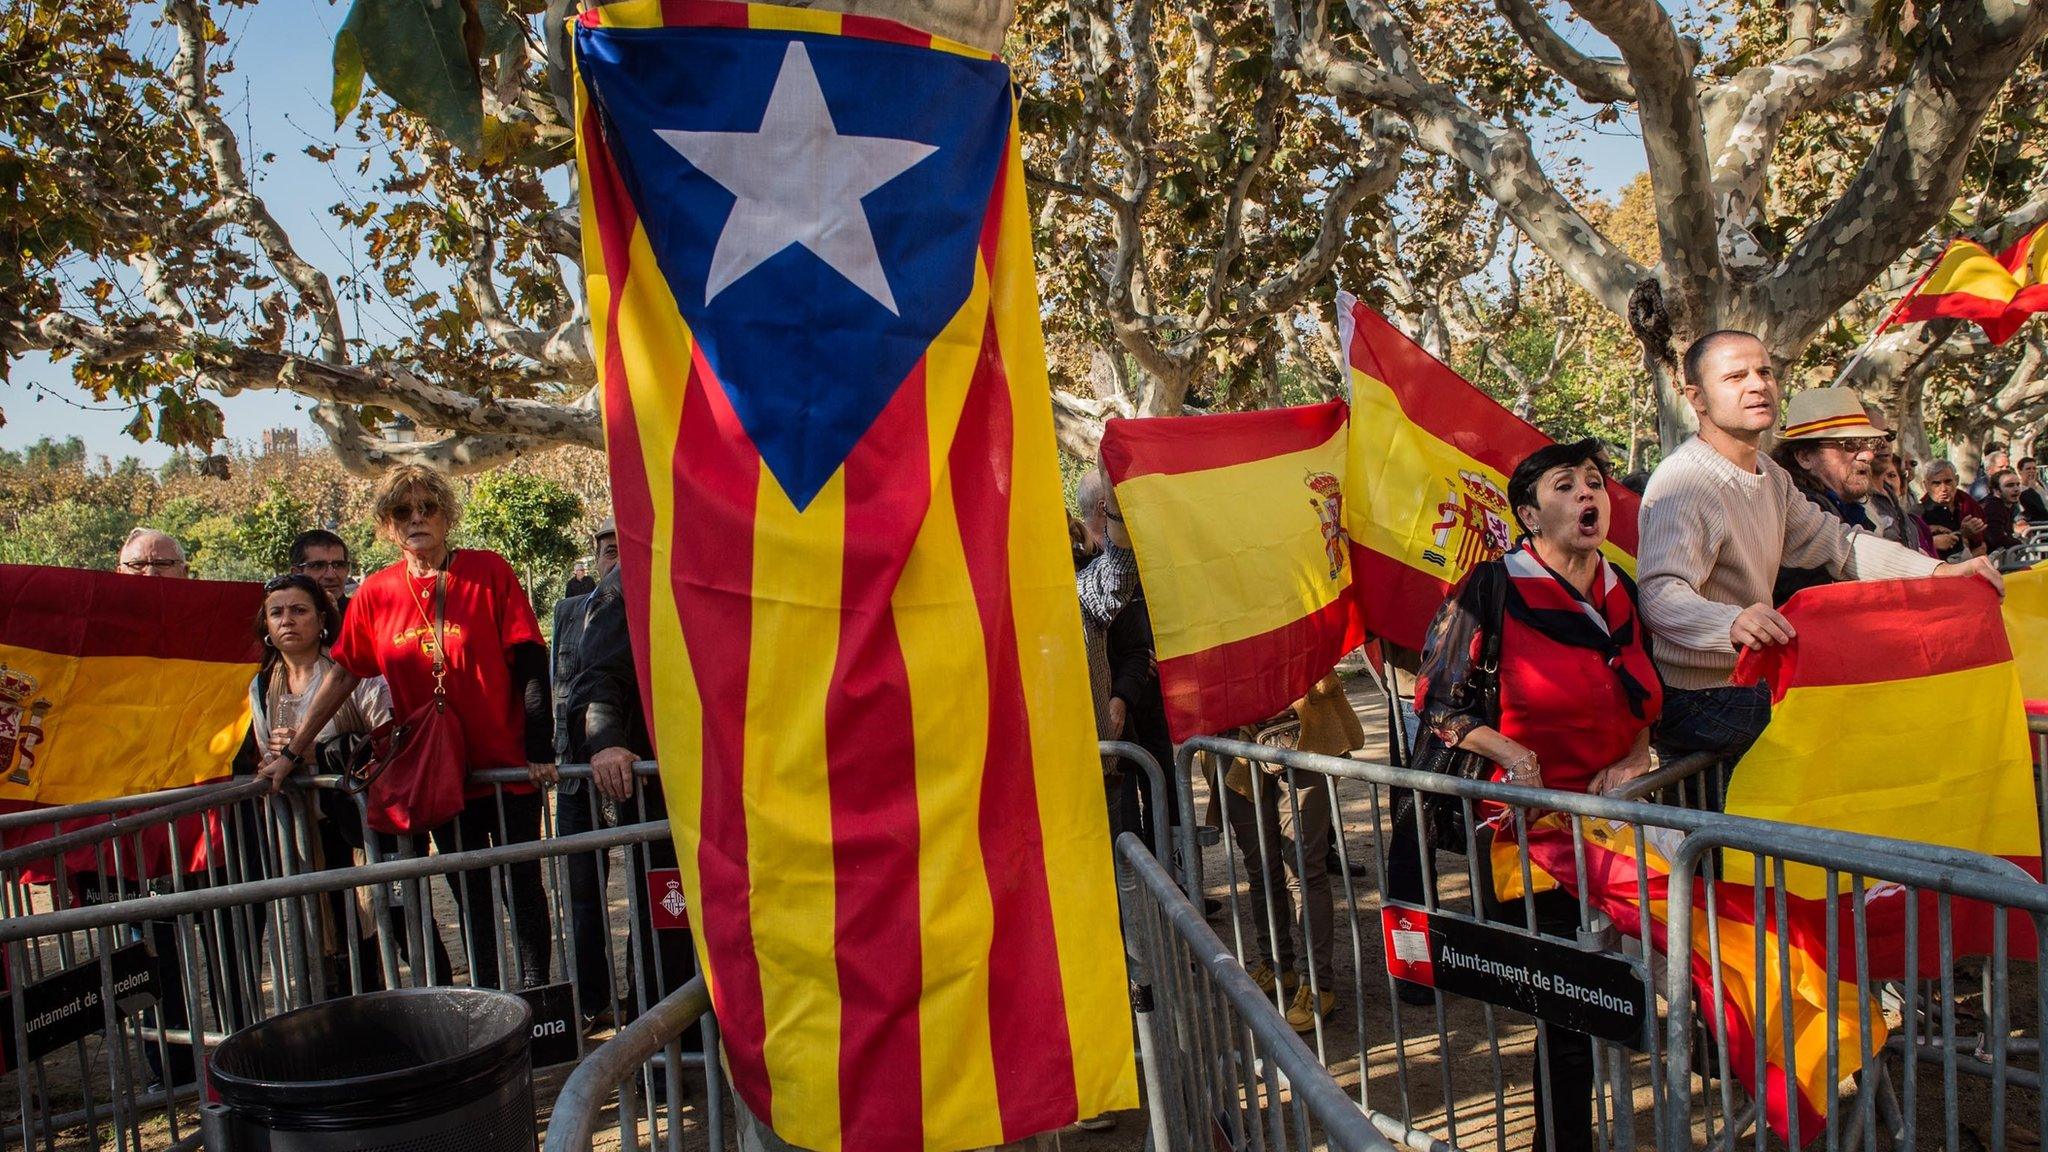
x=1827 y=414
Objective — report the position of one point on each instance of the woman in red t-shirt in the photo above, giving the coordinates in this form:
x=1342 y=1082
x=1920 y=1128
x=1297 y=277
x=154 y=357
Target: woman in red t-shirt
x=497 y=685
x=1578 y=694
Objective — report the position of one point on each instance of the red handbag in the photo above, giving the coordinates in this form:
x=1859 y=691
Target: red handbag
x=416 y=765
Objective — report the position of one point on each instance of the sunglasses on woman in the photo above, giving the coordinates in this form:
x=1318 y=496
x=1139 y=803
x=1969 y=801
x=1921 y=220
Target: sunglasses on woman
x=427 y=509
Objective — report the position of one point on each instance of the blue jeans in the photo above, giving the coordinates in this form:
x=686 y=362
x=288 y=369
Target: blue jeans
x=1724 y=721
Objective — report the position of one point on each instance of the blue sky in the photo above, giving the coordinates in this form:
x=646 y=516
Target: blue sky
x=277 y=101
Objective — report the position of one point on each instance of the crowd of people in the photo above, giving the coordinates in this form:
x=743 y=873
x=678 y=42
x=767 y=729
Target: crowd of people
x=1548 y=666
x=449 y=626
x=1593 y=670
x=1551 y=667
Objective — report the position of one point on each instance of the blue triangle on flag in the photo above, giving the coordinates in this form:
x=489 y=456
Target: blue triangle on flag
x=790 y=304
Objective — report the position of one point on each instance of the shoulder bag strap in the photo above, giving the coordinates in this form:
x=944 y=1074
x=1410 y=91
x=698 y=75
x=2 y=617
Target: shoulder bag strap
x=440 y=634
x=1490 y=628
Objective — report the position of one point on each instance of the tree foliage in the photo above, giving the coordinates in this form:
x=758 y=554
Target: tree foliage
x=74 y=513
x=529 y=520
x=1201 y=175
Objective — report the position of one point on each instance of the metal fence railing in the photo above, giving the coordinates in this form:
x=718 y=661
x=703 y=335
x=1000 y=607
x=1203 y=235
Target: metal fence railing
x=136 y=944
x=624 y=1069
x=1702 y=975
x=1639 y=909
x=224 y=905
x=1222 y=1068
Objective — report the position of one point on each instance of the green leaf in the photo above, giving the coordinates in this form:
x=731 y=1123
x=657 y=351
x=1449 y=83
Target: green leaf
x=415 y=51
x=504 y=33
x=348 y=75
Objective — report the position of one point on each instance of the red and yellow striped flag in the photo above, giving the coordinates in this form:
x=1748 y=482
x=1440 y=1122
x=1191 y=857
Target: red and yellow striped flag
x=1895 y=698
x=113 y=685
x=1967 y=282
x=1628 y=873
x=1429 y=464
x=845 y=555
x=1238 y=524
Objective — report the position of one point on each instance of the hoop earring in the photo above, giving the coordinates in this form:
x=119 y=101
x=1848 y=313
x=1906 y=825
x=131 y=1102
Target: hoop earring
x=267 y=642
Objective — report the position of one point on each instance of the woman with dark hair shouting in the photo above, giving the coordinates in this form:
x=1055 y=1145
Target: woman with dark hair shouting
x=1540 y=665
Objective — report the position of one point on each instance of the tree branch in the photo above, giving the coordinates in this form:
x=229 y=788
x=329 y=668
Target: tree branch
x=64 y=334
x=233 y=369
x=1501 y=159
x=1909 y=178
x=1372 y=174
x=1597 y=80
x=1660 y=66
x=1745 y=114
x=367 y=455
x=231 y=180
x=564 y=347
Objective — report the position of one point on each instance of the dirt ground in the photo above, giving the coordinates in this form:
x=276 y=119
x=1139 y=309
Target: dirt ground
x=1461 y=1072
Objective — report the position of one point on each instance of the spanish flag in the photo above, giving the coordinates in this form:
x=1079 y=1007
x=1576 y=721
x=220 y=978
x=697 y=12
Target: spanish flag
x=1771 y=977
x=1895 y=698
x=1428 y=471
x=826 y=409
x=113 y=685
x=1238 y=524
x=1967 y=282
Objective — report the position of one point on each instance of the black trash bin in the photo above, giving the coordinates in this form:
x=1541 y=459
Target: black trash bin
x=409 y=1070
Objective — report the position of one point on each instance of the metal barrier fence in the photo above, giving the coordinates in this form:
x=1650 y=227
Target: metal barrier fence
x=172 y=902
x=1222 y=1069
x=653 y=1038
x=1937 y=942
x=136 y=944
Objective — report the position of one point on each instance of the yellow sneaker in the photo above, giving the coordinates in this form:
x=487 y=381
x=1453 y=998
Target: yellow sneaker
x=1307 y=1007
x=1263 y=976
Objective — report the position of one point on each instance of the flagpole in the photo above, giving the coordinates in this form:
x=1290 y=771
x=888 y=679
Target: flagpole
x=1892 y=316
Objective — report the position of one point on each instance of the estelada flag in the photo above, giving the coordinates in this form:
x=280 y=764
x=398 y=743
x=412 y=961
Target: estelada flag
x=1428 y=472
x=1967 y=282
x=846 y=562
x=1894 y=699
x=1750 y=1005
x=113 y=685
x=1238 y=525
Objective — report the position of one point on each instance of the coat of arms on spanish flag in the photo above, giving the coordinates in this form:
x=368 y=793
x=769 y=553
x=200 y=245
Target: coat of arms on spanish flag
x=1428 y=476
x=845 y=555
x=1239 y=526
x=114 y=685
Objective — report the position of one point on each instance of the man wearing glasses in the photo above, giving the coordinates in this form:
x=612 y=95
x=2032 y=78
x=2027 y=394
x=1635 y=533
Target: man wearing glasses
x=323 y=556
x=148 y=552
x=1720 y=519
x=1833 y=451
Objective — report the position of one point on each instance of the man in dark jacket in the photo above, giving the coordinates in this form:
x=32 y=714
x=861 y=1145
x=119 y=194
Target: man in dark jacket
x=576 y=806
x=1138 y=714
x=604 y=706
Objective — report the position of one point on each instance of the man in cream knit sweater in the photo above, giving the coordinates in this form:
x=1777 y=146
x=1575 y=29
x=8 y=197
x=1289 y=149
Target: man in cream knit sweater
x=1719 y=518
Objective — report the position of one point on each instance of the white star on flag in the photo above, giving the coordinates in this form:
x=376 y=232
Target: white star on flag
x=797 y=181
